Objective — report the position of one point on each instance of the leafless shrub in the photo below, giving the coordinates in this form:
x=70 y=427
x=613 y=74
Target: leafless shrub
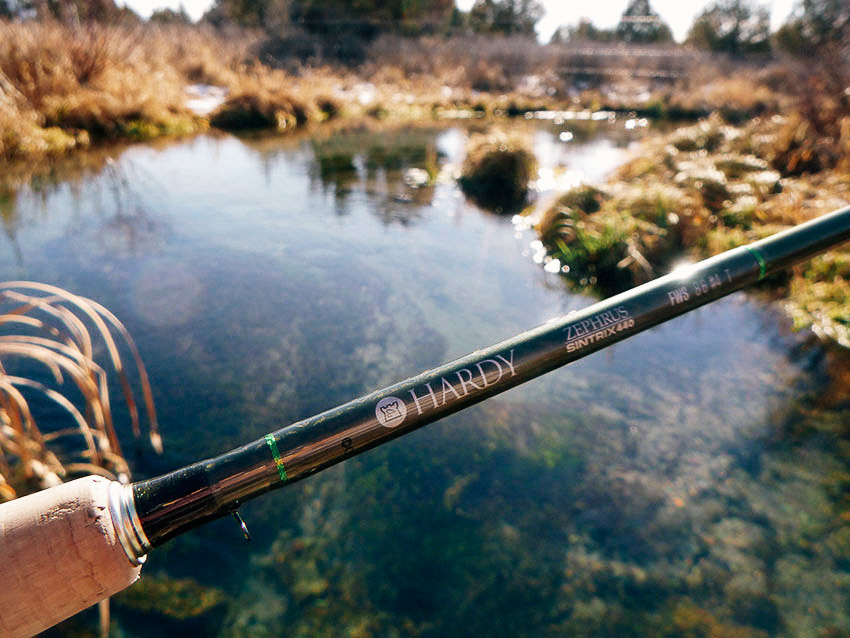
x=491 y=63
x=94 y=48
x=816 y=135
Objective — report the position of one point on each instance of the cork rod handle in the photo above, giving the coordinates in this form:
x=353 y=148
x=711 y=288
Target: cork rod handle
x=59 y=554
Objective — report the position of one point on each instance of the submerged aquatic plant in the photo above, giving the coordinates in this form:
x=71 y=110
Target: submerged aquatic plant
x=51 y=337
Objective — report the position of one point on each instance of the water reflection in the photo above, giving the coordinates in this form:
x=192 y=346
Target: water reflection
x=11 y=221
x=125 y=222
x=398 y=171
x=106 y=206
x=688 y=482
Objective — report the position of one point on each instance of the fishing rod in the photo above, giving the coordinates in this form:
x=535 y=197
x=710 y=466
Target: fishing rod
x=128 y=521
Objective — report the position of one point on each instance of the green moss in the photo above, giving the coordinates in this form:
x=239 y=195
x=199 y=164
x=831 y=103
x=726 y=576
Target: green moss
x=655 y=109
x=170 y=125
x=829 y=266
x=741 y=216
x=824 y=287
x=656 y=204
x=590 y=247
x=26 y=139
x=820 y=297
x=719 y=240
x=613 y=243
x=139 y=130
x=706 y=189
x=57 y=140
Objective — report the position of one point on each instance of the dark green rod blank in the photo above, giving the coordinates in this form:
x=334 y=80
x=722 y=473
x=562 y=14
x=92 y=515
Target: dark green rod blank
x=173 y=503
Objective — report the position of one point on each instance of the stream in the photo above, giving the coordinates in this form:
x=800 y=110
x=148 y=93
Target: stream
x=690 y=481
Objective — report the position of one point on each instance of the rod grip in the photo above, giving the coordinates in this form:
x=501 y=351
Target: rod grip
x=59 y=554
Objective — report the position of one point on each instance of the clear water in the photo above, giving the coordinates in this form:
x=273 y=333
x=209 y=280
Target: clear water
x=691 y=481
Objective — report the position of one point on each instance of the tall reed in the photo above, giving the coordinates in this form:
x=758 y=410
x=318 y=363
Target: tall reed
x=49 y=342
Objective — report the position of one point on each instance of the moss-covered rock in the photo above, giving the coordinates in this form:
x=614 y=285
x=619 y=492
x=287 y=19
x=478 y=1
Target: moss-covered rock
x=255 y=111
x=612 y=242
x=497 y=171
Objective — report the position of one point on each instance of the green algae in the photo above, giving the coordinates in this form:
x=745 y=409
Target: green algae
x=179 y=602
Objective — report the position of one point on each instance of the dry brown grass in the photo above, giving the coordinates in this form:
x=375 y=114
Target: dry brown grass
x=128 y=82
x=495 y=72
x=736 y=96
x=264 y=98
x=22 y=136
x=115 y=81
x=48 y=62
x=54 y=337
x=704 y=189
x=110 y=81
x=458 y=60
x=516 y=64
x=203 y=55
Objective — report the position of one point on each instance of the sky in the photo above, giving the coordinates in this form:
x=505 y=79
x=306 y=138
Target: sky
x=605 y=14
x=679 y=14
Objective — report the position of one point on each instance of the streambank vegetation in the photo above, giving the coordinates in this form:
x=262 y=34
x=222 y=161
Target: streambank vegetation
x=80 y=72
x=703 y=189
x=67 y=86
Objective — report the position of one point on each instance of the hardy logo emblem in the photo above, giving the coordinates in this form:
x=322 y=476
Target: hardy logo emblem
x=390 y=411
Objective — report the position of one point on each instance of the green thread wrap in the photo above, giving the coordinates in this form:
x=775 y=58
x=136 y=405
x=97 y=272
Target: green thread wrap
x=276 y=454
x=760 y=259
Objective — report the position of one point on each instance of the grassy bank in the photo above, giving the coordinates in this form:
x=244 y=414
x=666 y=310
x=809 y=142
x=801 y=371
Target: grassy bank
x=64 y=87
x=703 y=189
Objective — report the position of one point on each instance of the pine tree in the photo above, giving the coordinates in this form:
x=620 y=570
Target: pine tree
x=639 y=24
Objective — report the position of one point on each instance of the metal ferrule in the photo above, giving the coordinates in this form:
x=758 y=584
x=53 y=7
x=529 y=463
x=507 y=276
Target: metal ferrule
x=125 y=520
